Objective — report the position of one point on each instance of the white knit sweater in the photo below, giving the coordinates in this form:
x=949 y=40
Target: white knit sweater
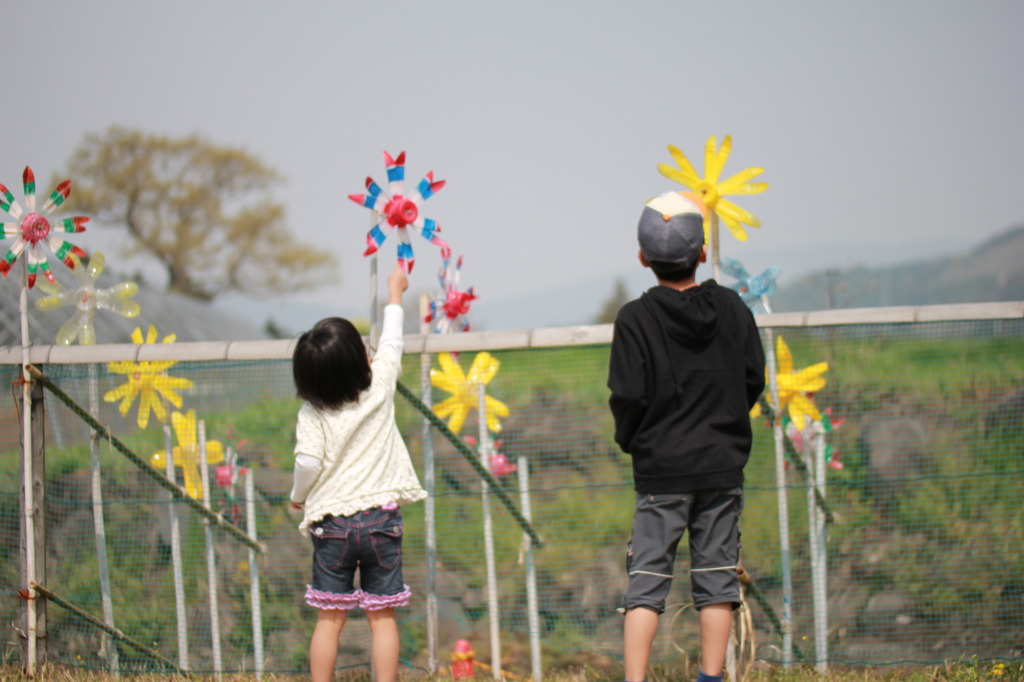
x=363 y=460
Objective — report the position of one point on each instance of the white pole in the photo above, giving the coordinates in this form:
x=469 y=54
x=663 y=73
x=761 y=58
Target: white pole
x=374 y=216
x=179 y=583
x=533 y=615
x=429 y=483
x=819 y=565
x=28 y=480
x=211 y=559
x=492 y=576
x=716 y=265
x=254 y=574
x=810 y=442
x=783 y=502
x=99 y=529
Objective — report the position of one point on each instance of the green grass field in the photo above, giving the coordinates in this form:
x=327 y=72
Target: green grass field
x=951 y=672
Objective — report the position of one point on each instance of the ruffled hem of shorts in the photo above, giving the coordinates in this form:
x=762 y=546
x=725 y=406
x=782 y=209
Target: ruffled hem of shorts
x=373 y=602
x=330 y=600
x=364 y=600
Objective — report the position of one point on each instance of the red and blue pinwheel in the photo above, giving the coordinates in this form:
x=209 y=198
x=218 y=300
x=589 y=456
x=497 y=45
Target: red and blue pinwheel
x=448 y=311
x=396 y=210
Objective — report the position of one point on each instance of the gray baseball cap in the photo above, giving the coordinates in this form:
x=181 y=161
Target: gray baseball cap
x=671 y=228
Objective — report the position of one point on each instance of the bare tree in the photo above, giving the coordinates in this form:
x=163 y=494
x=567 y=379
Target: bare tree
x=201 y=210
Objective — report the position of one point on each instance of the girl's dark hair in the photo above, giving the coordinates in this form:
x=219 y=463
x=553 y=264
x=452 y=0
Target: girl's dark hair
x=329 y=365
x=672 y=272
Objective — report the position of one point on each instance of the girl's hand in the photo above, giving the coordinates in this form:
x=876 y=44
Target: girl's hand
x=397 y=284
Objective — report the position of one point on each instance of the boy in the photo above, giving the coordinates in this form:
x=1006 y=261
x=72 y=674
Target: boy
x=686 y=367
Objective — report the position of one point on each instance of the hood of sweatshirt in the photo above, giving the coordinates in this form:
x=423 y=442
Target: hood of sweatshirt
x=689 y=317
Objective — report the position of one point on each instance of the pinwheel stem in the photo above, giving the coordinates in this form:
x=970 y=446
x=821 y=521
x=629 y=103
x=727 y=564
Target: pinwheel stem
x=429 y=484
x=29 y=477
x=716 y=259
x=374 y=331
x=783 y=505
x=99 y=529
x=494 y=614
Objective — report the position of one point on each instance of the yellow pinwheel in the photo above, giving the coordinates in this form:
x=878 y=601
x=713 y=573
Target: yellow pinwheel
x=712 y=191
x=794 y=386
x=186 y=452
x=464 y=390
x=148 y=380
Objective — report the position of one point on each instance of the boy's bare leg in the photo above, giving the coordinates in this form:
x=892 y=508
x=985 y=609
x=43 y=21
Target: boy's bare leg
x=638 y=638
x=715 y=624
x=384 y=630
x=323 y=647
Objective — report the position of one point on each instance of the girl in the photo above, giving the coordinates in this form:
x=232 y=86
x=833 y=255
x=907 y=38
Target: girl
x=352 y=470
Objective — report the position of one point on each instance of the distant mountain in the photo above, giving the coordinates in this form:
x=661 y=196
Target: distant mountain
x=992 y=272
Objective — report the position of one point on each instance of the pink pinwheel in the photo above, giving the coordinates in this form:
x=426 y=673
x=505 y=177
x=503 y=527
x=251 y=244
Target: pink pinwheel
x=400 y=211
x=449 y=309
x=34 y=229
x=499 y=464
x=821 y=428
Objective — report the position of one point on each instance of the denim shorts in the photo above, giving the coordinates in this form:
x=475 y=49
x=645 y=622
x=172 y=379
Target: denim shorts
x=711 y=517
x=370 y=541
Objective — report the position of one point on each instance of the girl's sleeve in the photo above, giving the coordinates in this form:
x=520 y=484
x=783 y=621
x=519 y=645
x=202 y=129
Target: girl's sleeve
x=310 y=438
x=307 y=468
x=310 y=445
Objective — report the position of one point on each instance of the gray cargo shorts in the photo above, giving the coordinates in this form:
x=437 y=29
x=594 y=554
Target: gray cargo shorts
x=712 y=519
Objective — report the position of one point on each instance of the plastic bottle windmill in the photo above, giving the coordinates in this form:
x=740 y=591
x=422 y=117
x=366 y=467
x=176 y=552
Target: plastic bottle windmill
x=147 y=381
x=396 y=210
x=754 y=290
x=794 y=386
x=33 y=230
x=448 y=311
x=186 y=453
x=464 y=390
x=87 y=299
x=712 y=191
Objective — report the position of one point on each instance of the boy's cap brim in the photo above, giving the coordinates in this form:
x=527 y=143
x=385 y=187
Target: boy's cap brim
x=671 y=228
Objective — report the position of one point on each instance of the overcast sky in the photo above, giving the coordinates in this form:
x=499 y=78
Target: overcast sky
x=889 y=130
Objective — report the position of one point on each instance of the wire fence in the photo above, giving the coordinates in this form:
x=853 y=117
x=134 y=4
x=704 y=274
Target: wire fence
x=915 y=473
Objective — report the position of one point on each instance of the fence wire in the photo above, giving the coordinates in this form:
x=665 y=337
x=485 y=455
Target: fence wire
x=923 y=477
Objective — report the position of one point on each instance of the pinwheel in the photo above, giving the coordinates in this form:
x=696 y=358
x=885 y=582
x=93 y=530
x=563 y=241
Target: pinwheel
x=794 y=386
x=464 y=390
x=712 y=190
x=396 y=210
x=34 y=229
x=499 y=464
x=830 y=424
x=186 y=452
x=752 y=289
x=449 y=309
x=227 y=473
x=87 y=299
x=148 y=380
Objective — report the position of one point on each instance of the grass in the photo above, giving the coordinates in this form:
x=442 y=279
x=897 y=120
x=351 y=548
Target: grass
x=961 y=671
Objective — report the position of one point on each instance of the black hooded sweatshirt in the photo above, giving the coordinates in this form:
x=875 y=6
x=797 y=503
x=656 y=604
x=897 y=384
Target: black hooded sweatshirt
x=685 y=369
